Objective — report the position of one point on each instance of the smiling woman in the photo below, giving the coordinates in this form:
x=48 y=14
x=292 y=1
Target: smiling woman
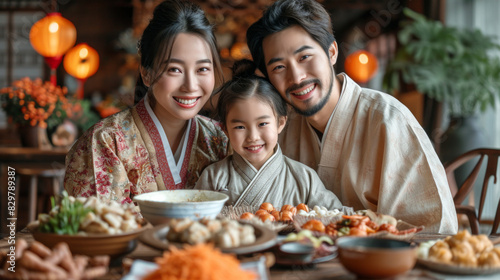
x=161 y=143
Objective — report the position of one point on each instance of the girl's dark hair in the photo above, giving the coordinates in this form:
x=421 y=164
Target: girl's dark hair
x=246 y=84
x=170 y=18
x=307 y=14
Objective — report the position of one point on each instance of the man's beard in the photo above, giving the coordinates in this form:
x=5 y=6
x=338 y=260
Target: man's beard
x=316 y=108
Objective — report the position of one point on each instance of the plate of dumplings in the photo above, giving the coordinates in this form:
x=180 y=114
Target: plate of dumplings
x=230 y=236
x=460 y=254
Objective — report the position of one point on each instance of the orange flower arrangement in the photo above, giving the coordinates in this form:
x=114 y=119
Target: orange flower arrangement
x=33 y=102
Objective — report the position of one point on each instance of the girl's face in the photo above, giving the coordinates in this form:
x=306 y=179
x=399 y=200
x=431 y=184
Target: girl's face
x=188 y=80
x=253 y=129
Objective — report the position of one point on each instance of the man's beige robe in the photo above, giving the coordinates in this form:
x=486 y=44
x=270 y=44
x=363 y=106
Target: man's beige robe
x=279 y=181
x=375 y=155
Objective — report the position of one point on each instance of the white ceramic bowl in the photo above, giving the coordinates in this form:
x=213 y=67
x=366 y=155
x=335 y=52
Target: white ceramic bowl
x=161 y=206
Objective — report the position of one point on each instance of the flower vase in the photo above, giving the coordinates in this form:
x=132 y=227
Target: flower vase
x=63 y=135
x=33 y=136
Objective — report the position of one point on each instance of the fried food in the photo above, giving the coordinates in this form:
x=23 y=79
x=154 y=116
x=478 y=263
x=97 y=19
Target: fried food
x=286 y=215
x=290 y=208
x=247 y=216
x=314 y=225
x=303 y=207
x=37 y=261
x=464 y=249
x=267 y=206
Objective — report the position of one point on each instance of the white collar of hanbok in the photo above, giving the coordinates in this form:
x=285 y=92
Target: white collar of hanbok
x=276 y=149
x=344 y=81
x=175 y=166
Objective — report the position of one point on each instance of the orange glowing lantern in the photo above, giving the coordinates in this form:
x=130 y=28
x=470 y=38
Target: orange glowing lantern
x=361 y=66
x=51 y=37
x=81 y=62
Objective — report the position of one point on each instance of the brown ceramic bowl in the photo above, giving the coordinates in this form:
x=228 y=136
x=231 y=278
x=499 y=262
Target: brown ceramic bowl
x=376 y=257
x=91 y=244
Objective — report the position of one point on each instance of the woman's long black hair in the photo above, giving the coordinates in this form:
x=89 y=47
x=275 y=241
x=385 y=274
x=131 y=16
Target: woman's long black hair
x=170 y=18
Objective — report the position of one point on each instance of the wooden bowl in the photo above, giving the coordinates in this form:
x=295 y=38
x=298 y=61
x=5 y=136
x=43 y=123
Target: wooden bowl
x=91 y=244
x=376 y=257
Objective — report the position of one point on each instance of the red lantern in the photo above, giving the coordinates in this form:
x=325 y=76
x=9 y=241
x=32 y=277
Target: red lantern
x=361 y=66
x=51 y=37
x=81 y=62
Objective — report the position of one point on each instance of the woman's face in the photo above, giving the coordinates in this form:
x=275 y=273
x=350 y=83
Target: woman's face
x=188 y=80
x=252 y=128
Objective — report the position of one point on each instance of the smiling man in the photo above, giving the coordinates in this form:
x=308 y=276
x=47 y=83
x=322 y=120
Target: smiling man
x=365 y=145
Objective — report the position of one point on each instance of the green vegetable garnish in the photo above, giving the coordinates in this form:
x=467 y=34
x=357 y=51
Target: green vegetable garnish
x=343 y=231
x=345 y=222
x=66 y=218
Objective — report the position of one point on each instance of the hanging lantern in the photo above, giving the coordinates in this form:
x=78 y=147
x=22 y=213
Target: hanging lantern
x=361 y=66
x=81 y=62
x=51 y=37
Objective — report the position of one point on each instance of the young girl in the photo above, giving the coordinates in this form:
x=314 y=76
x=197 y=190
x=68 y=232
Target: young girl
x=160 y=143
x=253 y=114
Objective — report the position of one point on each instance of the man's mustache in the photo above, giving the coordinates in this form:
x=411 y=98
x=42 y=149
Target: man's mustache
x=301 y=85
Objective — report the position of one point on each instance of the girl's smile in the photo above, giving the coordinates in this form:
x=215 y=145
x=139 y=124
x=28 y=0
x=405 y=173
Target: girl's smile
x=253 y=129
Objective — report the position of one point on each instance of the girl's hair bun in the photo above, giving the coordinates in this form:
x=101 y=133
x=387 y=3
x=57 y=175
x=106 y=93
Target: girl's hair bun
x=243 y=68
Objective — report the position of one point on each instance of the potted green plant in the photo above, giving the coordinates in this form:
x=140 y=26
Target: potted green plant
x=450 y=65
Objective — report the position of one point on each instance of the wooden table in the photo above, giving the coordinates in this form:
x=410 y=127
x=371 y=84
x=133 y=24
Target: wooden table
x=11 y=156
x=327 y=270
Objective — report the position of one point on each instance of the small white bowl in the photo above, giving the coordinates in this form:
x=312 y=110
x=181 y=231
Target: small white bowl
x=161 y=206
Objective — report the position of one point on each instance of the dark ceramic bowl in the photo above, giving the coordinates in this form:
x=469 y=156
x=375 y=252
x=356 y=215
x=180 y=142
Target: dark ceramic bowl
x=376 y=257
x=294 y=253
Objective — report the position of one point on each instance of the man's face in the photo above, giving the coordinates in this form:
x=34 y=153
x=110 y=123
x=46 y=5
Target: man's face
x=299 y=69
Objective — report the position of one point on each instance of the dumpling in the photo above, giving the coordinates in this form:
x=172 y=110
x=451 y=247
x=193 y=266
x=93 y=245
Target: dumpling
x=196 y=233
x=440 y=252
x=212 y=225
x=176 y=227
x=247 y=234
x=227 y=238
x=461 y=236
x=463 y=254
x=480 y=243
x=496 y=250
x=489 y=258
